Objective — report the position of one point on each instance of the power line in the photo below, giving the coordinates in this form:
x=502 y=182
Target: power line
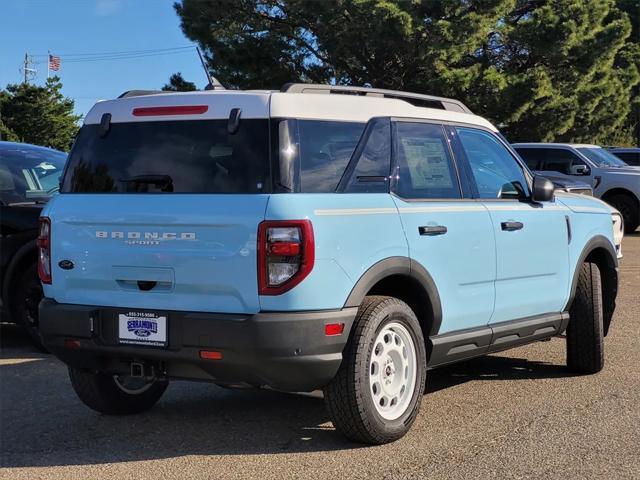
x=65 y=60
x=127 y=52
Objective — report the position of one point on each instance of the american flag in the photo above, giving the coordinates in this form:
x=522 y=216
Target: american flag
x=54 y=63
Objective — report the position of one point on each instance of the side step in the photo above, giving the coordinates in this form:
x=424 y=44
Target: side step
x=474 y=342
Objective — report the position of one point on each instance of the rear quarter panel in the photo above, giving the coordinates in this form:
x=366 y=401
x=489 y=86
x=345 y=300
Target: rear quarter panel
x=352 y=232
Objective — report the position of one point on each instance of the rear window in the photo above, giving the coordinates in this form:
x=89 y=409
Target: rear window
x=170 y=157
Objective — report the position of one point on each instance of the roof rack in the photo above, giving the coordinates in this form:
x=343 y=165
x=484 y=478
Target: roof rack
x=140 y=93
x=417 y=99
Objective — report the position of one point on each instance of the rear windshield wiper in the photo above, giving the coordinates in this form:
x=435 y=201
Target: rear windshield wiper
x=163 y=182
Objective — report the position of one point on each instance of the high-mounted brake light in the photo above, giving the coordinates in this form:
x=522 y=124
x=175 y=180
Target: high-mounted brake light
x=44 y=250
x=286 y=253
x=173 y=110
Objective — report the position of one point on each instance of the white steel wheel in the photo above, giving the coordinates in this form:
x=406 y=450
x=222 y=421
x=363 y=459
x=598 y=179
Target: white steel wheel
x=392 y=371
x=375 y=396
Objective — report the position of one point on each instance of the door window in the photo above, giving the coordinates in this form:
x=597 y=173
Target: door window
x=496 y=172
x=372 y=160
x=533 y=157
x=561 y=160
x=425 y=168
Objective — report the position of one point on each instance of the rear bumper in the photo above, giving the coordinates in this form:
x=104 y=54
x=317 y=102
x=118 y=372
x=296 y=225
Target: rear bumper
x=284 y=350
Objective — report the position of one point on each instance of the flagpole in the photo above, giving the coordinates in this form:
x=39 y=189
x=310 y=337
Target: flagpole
x=48 y=62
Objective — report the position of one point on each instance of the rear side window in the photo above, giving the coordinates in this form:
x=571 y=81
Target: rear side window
x=313 y=154
x=371 y=163
x=424 y=166
x=170 y=157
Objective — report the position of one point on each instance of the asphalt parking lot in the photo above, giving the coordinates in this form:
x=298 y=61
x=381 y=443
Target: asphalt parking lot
x=518 y=414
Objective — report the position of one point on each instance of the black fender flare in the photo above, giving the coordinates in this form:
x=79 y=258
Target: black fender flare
x=609 y=283
x=23 y=252
x=398 y=266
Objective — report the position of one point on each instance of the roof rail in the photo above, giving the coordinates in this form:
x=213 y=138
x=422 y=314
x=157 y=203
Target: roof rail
x=417 y=99
x=140 y=93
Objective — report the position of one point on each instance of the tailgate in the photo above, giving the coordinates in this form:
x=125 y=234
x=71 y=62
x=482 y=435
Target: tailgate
x=168 y=252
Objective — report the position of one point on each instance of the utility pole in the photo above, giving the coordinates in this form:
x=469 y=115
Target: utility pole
x=27 y=70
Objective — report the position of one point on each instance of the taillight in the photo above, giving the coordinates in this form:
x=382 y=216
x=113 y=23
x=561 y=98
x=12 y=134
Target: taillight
x=44 y=250
x=286 y=253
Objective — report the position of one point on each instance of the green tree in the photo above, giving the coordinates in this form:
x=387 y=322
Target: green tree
x=178 y=84
x=38 y=115
x=541 y=70
x=630 y=136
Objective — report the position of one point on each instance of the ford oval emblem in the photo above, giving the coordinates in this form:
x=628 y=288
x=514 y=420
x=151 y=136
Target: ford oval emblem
x=65 y=264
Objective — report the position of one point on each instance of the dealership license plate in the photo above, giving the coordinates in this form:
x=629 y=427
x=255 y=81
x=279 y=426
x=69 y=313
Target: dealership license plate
x=142 y=328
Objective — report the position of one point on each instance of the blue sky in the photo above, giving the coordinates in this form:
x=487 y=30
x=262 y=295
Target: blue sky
x=95 y=26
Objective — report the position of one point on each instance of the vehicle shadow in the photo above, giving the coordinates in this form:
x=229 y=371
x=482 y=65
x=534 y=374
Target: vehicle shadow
x=493 y=367
x=42 y=423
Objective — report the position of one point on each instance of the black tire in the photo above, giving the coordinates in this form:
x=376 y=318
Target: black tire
x=25 y=298
x=585 y=332
x=100 y=392
x=628 y=208
x=348 y=397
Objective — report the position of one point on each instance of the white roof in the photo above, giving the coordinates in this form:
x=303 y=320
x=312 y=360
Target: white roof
x=265 y=104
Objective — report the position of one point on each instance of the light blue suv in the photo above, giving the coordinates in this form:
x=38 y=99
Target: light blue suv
x=337 y=238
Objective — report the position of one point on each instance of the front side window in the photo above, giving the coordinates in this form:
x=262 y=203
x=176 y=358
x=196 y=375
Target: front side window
x=562 y=160
x=496 y=172
x=425 y=169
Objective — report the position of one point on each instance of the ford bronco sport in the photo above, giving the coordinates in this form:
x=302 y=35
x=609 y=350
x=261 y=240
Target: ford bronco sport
x=337 y=238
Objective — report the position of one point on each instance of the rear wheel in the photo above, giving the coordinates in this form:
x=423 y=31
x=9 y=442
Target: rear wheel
x=628 y=208
x=585 y=332
x=376 y=395
x=25 y=298
x=116 y=394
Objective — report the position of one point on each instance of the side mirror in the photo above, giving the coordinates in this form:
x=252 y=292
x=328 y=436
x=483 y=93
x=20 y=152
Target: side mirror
x=542 y=189
x=579 y=170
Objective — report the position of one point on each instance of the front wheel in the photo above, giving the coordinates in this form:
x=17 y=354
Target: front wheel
x=376 y=394
x=115 y=394
x=585 y=332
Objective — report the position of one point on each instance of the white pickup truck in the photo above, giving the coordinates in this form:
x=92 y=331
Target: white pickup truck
x=612 y=179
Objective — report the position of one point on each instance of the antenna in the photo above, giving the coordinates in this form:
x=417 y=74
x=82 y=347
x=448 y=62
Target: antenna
x=213 y=81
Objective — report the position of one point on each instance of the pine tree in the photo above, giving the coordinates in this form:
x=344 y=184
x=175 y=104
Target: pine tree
x=178 y=84
x=541 y=70
x=38 y=115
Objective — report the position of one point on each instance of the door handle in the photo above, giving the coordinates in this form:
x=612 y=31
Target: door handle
x=432 y=231
x=511 y=226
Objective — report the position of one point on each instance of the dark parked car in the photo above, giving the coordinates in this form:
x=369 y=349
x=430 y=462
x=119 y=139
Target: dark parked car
x=28 y=178
x=630 y=156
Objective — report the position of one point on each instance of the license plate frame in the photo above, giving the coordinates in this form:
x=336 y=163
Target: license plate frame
x=143 y=328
